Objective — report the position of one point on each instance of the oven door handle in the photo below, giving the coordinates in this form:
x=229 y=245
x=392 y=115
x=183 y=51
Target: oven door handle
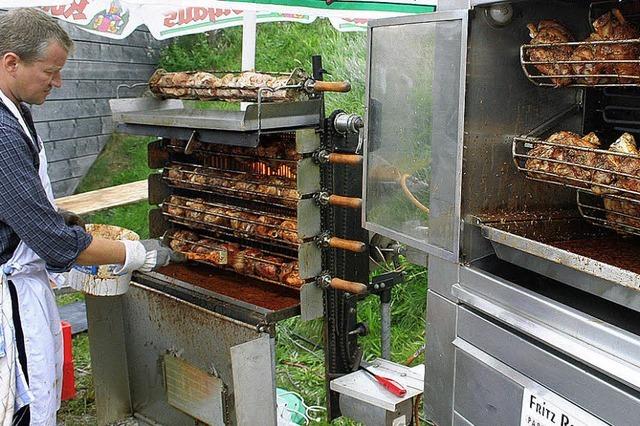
x=563 y=341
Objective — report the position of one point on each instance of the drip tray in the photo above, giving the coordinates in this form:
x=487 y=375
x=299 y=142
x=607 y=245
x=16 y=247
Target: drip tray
x=574 y=253
x=241 y=298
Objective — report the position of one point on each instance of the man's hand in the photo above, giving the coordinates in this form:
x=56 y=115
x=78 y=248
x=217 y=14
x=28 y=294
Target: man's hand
x=163 y=255
x=71 y=219
x=147 y=256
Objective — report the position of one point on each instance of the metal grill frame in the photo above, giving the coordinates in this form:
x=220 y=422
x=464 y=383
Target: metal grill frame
x=624 y=195
x=539 y=79
x=228 y=230
x=228 y=191
x=169 y=236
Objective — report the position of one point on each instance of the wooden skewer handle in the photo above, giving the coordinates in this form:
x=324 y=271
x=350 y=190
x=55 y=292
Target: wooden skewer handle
x=349 y=202
x=348 y=286
x=349 y=245
x=331 y=86
x=347 y=159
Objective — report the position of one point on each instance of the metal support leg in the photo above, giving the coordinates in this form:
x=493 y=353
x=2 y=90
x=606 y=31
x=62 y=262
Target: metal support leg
x=385 y=316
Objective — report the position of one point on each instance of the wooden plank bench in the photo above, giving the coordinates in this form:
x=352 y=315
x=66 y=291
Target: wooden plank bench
x=106 y=198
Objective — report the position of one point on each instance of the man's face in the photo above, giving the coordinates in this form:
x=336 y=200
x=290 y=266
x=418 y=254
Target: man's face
x=34 y=81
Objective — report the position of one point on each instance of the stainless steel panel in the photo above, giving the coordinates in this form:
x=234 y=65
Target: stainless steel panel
x=311 y=302
x=309 y=260
x=413 y=130
x=370 y=415
x=308 y=176
x=308 y=218
x=440 y=360
x=458 y=420
x=483 y=396
x=109 y=357
x=193 y=391
x=603 y=347
x=501 y=101
x=442 y=276
x=157 y=324
x=271 y=116
x=254 y=380
x=121 y=106
x=498 y=347
x=307 y=141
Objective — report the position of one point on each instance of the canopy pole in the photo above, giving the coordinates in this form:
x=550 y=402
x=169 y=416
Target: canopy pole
x=248 y=45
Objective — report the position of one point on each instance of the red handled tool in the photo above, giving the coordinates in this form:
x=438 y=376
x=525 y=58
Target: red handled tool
x=389 y=384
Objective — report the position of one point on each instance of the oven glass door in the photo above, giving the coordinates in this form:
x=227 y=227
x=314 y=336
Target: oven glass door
x=413 y=149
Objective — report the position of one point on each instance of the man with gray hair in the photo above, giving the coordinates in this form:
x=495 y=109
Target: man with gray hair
x=36 y=239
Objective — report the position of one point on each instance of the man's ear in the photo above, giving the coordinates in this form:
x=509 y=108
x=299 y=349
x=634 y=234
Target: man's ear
x=10 y=62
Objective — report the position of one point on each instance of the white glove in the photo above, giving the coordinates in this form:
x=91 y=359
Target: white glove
x=147 y=256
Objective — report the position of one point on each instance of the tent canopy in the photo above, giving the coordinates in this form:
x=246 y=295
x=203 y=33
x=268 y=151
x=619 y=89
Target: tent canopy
x=171 y=18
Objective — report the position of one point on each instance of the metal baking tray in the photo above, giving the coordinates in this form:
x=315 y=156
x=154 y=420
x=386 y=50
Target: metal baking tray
x=536 y=245
x=238 y=297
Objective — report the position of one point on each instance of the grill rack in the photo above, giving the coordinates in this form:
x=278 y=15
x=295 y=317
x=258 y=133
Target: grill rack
x=545 y=80
x=170 y=236
x=290 y=90
x=254 y=164
x=591 y=208
x=210 y=153
x=237 y=178
x=229 y=230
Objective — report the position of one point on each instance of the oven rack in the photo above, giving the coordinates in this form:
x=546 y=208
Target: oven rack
x=237 y=153
x=170 y=236
x=610 y=211
x=603 y=79
x=289 y=87
x=226 y=216
x=227 y=183
x=608 y=204
x=522 y=147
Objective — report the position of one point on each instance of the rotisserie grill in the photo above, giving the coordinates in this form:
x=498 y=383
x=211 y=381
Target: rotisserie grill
x=264 y=203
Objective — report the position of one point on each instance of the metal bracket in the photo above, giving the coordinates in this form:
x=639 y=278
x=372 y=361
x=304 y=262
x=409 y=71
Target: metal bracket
x=191 y=143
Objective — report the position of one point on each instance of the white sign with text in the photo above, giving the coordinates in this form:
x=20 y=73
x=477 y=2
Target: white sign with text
x=548 y=409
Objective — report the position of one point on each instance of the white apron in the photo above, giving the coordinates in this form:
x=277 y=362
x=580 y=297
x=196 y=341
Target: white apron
x=8 y=358
x=38 y=313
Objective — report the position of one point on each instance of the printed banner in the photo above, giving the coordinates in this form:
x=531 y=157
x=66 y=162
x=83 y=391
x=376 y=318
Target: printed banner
x=166 y=19
x=10 y=4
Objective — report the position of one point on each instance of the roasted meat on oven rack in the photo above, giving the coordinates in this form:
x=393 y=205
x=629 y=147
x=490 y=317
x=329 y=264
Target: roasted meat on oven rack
x=225 y=86
x=256 y=263
x=275 y=190
x=609 y=56
x=232 y=221
x=568 y=160
x=279 y=149
x=242 y=86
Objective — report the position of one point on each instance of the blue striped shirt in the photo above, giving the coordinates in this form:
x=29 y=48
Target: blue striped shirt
x=25 y=212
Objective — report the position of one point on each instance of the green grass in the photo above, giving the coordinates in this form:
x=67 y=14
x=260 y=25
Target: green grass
x=81 y=410
x=280 y=47
x=300 y=359
x=123 y=160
